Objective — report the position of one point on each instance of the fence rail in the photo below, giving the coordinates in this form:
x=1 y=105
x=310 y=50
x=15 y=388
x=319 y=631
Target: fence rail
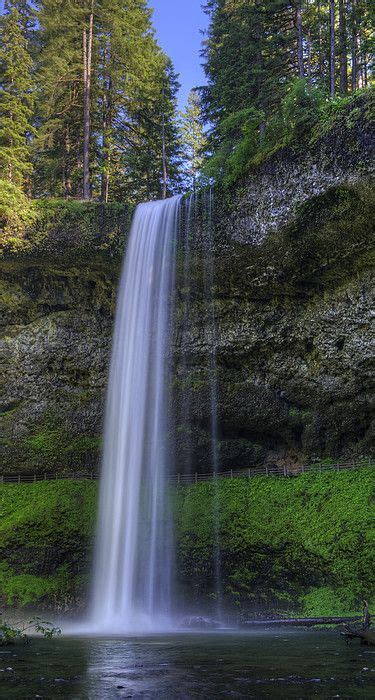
x=195 y=478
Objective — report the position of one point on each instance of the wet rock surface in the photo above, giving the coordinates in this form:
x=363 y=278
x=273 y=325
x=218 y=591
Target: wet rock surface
x=292 y=298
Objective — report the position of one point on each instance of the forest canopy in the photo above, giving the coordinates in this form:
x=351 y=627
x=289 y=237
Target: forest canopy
x=88 y=100
x=274 y=68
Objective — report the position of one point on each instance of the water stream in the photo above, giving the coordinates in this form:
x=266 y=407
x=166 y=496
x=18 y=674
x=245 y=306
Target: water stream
x=133 y=561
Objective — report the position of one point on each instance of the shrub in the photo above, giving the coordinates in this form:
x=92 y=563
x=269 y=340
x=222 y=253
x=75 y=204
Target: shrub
x=17 y=213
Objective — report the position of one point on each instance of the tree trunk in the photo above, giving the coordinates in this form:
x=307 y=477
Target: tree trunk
x=87 y=65
x=259 y=60
x=301 y=71
x=343 y=49
x=164 y=154
x=67 y=180
x=332 y=53
x=354 y=46
x=321 y=50
x=309 y=51
x=107 y=123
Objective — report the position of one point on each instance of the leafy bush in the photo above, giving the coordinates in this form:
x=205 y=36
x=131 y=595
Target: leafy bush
x=17 y=213
x=246 y=138
x=240 y=139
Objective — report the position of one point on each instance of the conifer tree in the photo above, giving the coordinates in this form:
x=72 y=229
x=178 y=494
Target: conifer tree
x=58 y=149
x=153 y=163
x=193 y=138
x=16 y=98
x=100 y=99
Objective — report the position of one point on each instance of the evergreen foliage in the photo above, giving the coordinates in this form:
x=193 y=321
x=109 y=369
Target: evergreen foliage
x=87 y=88
x=16 y=98
x=194 y=140
x=272 y=68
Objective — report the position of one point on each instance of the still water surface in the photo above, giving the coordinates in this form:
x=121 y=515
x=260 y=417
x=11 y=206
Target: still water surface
x=262 y=664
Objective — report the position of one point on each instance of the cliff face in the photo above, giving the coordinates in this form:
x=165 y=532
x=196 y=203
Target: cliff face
x=293 y=334
x=58 y=296
x=292 y=300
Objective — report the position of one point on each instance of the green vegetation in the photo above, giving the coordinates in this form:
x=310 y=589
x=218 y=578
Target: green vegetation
x=46 y=532
x=17 y=214
x=329 y=240
x=57 y=226
x=16 y=98
x=303 y=544
x=49 y=445
x=11 y=633
x=277 y=73
x=194 y=141
x=87 y=101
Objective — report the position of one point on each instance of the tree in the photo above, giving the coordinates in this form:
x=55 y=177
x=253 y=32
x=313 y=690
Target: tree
x=58 y=148
x=154 y=162
x=100 y=99
x=301 y=70
x=343 y=52
x=194 y=139
x=87 y=70
x=332 y=46
x=257 y=54
x=16 y=98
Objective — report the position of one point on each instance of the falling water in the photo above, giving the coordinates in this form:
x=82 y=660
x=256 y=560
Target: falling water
x=132 y=576
x=211 y=326
x=186 y=457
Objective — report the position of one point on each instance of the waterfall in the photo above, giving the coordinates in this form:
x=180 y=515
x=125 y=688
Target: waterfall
x=213 y=390
x=133 y=560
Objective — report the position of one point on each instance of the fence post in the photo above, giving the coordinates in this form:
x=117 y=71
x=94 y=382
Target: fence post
x=34 y=478
x=19 y=478
x=196 y=477
x=284 y=470
x=303 y=469
x=266 y=470
x=178 y=479
x=91 y=476
x=248 y=473
x=231 y=473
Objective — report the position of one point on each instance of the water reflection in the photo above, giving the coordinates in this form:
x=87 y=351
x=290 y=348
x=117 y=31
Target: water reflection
x=289 y=664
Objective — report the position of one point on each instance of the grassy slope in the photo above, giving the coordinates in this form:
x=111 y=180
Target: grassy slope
x=307 y=539
x=46 y=531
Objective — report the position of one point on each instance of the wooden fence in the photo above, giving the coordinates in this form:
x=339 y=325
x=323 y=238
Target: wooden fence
x=195 y=478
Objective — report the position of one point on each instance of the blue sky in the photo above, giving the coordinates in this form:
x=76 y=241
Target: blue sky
x=178 y=24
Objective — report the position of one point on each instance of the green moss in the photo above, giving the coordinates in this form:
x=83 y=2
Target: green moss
x=52 y=446
x=25 y=589
x=330 y=240
x=46 y=442
x=320 y=602
x=299 y=414
x=46 y=532
x=280 y=540
x=72 y=229
x=303 y=544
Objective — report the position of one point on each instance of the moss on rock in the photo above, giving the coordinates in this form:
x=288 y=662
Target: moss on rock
x=303 y=544
x=46 y=534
